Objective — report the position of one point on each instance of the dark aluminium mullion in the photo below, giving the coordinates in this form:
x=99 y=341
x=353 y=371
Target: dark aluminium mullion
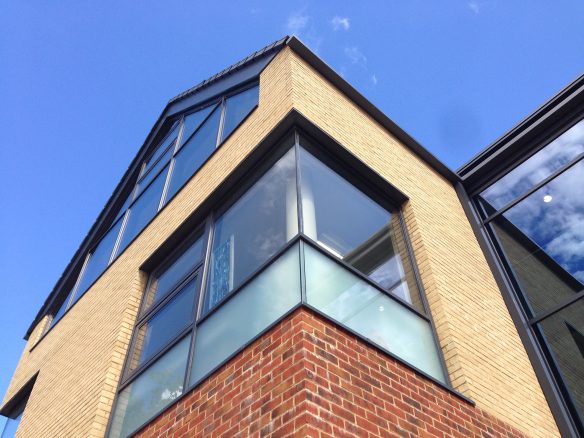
x=362 y=276
x=182 y=143
x=422 y=294
x=299 y=210
x=151 y=166
x=558 y=308
x=221 y=122
x=512 y=277
x=208 y=235
x=300 y=214
x=534 y=188
x=130 y=374
x=174 y=291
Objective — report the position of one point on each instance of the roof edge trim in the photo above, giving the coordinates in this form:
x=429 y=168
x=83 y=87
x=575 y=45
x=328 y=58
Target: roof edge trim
x=332 y=76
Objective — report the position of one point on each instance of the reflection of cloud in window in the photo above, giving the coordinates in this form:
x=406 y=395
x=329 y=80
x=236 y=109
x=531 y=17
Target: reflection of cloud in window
x=556 y=226
x=538 y=167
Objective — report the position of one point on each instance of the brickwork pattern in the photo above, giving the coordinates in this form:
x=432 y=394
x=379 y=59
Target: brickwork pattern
x=308 y=378
x=485 y=357
x=81 y=358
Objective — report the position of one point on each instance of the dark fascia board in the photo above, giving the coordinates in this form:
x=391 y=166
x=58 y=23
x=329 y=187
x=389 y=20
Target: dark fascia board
x=539 y=127
x=244 y=71
x=333 y=77
x=248 y=168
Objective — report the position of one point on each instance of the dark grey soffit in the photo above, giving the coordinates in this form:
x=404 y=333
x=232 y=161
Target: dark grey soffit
x=243 y=71
x=555 y=114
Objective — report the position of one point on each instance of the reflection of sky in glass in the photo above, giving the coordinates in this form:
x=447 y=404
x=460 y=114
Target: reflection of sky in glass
x=556 y=226
x=534 y=170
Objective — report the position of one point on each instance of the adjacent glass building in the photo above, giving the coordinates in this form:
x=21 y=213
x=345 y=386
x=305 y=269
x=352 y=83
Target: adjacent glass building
x=528 y=194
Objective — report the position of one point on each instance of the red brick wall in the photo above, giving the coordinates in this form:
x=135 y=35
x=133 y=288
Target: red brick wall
x=307 y=377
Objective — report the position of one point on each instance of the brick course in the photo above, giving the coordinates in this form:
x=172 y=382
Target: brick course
x=308 y=377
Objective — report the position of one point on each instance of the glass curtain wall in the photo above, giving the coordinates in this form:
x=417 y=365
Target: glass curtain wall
x=282 y=242
x=185 y=147
x=535 y=215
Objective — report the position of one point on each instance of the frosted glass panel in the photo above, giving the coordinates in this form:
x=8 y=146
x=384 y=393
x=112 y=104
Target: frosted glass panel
x=349 y=300
x=156 y=388
x=248 y=313
x=255 y=228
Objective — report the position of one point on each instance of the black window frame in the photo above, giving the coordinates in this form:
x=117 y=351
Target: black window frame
x=221 y=204
x=145 y=315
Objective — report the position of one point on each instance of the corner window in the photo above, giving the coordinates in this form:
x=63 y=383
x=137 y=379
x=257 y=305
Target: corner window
x=300 y=235
x=368 y=237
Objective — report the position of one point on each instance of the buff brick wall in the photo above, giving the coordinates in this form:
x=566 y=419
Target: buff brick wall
x=485 y=357
x=80 y=359
x=308 y=378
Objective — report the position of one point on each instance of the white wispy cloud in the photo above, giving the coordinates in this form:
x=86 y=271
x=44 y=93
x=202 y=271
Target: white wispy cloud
x=340 y=23
x=355 y=55
x=374 y=79
x=474 y=6
x=297 y=22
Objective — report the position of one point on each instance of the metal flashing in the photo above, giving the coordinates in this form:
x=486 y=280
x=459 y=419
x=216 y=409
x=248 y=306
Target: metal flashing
x=535 y=131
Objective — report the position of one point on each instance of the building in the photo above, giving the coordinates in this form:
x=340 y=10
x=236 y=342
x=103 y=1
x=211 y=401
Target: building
x=281 y=258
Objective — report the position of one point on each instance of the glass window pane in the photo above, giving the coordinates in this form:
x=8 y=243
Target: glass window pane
x=194 y=153
x=168 y=140
x=153 y=172
x=154 y=389
x=98 y=260
x=356 y=229
x=124 y=207
x=543 y=237
x=192 y=122
x=164 y=325
x=253 y=229
x=143 y=210
x=163 y=283
x=537 y=168
x=269 y=296
x=62 y=309
x=564 y=333
x=345 y=298
x=237 y=108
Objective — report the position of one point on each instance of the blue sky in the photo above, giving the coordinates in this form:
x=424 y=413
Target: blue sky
x=81 y=84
